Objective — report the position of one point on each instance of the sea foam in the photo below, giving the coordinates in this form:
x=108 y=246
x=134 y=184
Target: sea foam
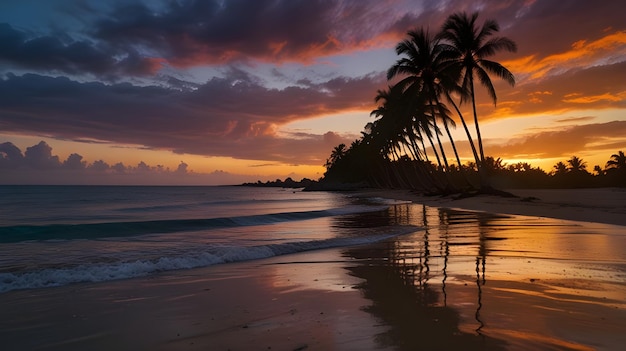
x=218 y=254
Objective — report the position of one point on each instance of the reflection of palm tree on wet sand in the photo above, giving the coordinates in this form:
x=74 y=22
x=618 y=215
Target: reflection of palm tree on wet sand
x=481 y=260
x=401 y=296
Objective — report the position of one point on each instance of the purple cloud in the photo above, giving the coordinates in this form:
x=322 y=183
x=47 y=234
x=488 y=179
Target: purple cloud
x=223 y=117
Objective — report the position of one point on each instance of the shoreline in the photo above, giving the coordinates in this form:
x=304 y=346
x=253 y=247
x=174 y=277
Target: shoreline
x=472 y=280
x=290 y=302
x=598 y=205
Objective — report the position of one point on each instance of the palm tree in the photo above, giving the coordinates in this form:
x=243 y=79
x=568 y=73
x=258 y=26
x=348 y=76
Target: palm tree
x=599 y=171
x=617 y=161
x=421 y=67
x=337 y=154
x=448 y=81
x=468 y=48
x=577 y=164
x=394 y=110
x=399 y=132
x=494 y=165
x=560 y=168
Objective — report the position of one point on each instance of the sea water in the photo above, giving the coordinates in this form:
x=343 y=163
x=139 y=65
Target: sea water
x=57 y=235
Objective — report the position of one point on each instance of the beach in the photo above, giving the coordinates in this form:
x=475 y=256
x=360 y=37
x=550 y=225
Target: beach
x=543 y=271
x=601 y=205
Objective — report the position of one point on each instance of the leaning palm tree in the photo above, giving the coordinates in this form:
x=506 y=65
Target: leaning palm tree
x=420 y=67
x=468 y=47
x=395 y=110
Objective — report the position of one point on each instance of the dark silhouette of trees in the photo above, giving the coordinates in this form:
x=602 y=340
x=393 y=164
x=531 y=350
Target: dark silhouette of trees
x=615 y=169
x=560 y=168
x=337 y=154
x=576 y=164
x=617 y=162
x=287 y=183
x=433 y=74
x=420 y=66
x=468 y=49
x=432 y=71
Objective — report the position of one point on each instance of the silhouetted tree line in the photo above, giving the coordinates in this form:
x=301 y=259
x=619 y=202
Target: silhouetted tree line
x=434 y=76
x=287 y=183
x=572 y=173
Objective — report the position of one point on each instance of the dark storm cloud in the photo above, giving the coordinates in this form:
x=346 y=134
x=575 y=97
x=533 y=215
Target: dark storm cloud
x=132 y=38
x=196 y=32
x=136 y=38
x=547 y=27
x=188 y=33
x=52 y=54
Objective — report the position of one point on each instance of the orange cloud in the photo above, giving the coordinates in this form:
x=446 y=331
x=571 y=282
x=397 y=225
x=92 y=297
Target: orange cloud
x=564 y=141
x=608 y=49
x=596 y=87
x=535 y=97
x=580 y=99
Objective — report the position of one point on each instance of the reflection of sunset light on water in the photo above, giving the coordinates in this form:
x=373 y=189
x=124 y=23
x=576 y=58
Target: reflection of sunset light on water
x=313 y=273
x=528 y=281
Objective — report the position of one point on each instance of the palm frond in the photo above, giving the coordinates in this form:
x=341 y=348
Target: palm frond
x=499 y=70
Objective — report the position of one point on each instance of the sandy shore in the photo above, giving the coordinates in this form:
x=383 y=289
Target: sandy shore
x=471 y=281
x=603 y=205
x=293 y=302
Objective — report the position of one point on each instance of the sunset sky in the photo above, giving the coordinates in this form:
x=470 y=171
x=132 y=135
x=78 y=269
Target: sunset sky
x=226 y=91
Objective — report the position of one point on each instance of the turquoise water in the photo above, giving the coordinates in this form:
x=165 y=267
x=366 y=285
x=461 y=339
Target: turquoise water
x=57 y=235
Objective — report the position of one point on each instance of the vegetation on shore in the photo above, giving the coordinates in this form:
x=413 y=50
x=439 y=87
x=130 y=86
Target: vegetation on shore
x=435 y=75
x=287 y=183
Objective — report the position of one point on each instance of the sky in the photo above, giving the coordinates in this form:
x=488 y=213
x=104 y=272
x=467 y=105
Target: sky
x=229 y=91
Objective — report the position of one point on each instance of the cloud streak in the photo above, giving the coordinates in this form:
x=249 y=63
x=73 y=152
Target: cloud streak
x=565 y=141
x=597 y=87
x=224 y=117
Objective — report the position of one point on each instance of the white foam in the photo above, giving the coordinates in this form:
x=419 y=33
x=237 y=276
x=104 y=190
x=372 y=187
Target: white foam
x=99 y=272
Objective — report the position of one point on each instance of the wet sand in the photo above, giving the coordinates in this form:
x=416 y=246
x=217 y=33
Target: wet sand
x=284 y=303
x=469 y=280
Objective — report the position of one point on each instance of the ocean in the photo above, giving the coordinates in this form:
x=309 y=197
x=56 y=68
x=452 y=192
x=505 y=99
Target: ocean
x=248 y=266
x=57 y=235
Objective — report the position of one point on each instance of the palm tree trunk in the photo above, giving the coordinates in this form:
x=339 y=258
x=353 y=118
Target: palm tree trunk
x=469 y=135
x=414 y=148
x=445 y=126
x=432 y=144
x=443 y=153
x=424 y=149
x=482 y=174
x=480 y=140
x=395 y=152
